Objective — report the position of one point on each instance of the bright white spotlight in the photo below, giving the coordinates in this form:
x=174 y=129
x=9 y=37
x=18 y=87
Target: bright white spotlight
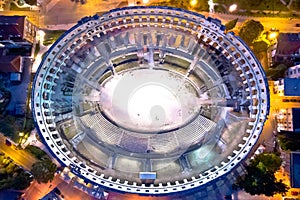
x=232 y=8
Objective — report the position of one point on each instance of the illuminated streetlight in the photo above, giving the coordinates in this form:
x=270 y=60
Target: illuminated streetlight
x=232 y=8
x=131 y=3
x=40 y=36
x=41 y=33
x=193 y=3
x=272 y=35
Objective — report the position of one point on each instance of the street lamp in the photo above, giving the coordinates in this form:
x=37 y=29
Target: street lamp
x=232 y=8
x=145 y=1
x=131 y=3
x=40 y=36
x=272 y=35
x=193 y=2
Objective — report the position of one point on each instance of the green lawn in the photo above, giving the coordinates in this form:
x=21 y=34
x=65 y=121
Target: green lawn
x=16 y=8
x=51 y=36
x=5 y=100
x=37 y=49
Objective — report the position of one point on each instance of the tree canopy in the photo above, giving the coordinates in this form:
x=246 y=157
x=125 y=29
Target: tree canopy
x=22 y=181
x=260 y=46
x=267 y=162
x=289 y=141
x=37 y=152
x=277 y=72
x=231 y=24
x=260 y=178
x=250 y=30
x=12 y=176
x=43 y=171
x=201 y=5
x=31 y=2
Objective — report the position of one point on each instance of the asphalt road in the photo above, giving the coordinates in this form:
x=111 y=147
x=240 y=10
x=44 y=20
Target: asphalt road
x=38 y=191
x=72 y=12
x=282 y=24
x=20 y=157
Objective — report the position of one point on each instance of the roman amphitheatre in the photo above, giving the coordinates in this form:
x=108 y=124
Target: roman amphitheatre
x=150 y=100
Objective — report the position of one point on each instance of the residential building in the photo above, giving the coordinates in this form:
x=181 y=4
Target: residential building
x=288 y=120
x=288 y=48
x=11 y=66
x=293 y=72
x=17 y=29
x=289 y=87
x=295 y=170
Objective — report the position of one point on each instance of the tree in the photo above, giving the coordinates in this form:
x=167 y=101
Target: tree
x=250 y=30
x=258 y=182
x=267 y=162
x=22 y=181
x=260 y=46
x=260 y=178
x=276 y=73
x=180 y=4
x=202 y=5
x=37 y=152
x=31 y=2
x=43 y=171
x=289 y=141
x=231 y=24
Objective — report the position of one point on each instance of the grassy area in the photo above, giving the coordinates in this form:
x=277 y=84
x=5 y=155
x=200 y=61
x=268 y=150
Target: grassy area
x=5 y=100
x=51 y=36
x=37 y=152
x=289 y=141
x=28 y=121
x=70 y=131
x=37 y=49
x=86 y=106
x=11 y=126
x=295 y=5
x=16 y=8
x=31 y=2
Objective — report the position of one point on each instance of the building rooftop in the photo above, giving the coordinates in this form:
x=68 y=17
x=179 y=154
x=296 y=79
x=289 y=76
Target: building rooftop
x=295 y=170
x=296 y=119
x=291 y=87
x=12 y=27
x=11 y=63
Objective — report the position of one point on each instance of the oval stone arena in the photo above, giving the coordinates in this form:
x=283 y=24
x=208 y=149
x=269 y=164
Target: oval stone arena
x=150 y=100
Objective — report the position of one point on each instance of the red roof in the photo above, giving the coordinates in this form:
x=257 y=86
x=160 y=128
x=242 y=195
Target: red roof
x=10 y=63
x=12 y=27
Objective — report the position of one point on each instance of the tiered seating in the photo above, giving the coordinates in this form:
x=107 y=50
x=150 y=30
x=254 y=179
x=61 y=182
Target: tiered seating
x=184 y=42
x=204 y=123
x=134 y=144
x=163 y=143
x=106 y=131
x=194 y=132
x=192 y=47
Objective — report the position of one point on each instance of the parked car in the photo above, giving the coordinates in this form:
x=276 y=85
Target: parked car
x=294 y=193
